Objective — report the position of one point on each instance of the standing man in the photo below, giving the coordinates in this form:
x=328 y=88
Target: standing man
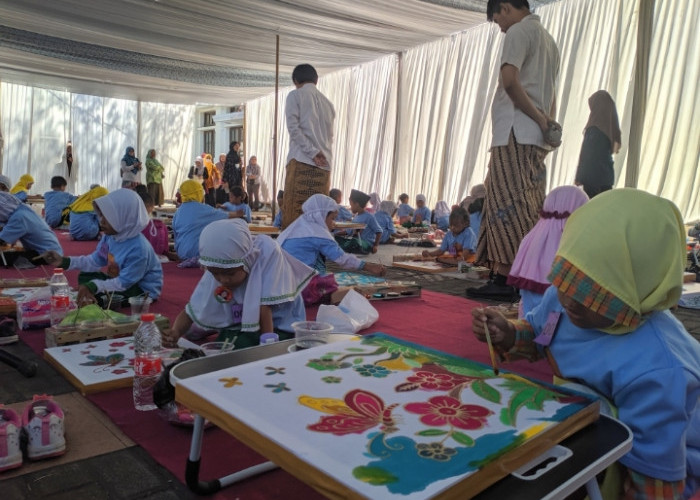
x=310 y=117
x=524 y=131
x=233 y=175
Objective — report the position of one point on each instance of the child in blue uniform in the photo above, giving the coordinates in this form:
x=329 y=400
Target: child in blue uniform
x=605 y=323
x=250 y=286
x=84 y=223
x=404 y=211
x=368 y=239
x=56 y=201
x=19 y=222
x=190 y=219
x=441 y=215
x=460 y=240
x=421 y=216
x=21 y=189
x=385 y=219
x=344 y=214
x=278 y=216
x=236 y=204
x=122 y=217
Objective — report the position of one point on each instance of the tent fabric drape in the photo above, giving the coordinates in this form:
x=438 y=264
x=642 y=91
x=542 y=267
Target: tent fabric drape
x=38 y=123
x=444 y=123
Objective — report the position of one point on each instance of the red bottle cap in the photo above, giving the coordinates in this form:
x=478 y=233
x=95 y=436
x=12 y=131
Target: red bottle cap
x=148 y=317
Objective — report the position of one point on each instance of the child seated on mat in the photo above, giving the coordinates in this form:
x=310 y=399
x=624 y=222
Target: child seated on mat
x=404 y=211
x=459 y=241
x=374 y=202
x=250 y=286
x=309 y=239
x=84 y=224
x=236 y=204
x=344 y=214
x=385 y=219
x=474 y=204
x=191 y=217
x=56 y=201
x=536 y=253
x=421 y=216
x=122 y=217
x=441 y=215
x=21 y=189
x=19 y=222
x=368 y=239
x=278 y=216
x=605 y=323
x=5 y=184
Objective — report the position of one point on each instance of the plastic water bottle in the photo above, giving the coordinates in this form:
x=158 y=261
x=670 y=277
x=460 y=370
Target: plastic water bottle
x=60 y=296
x=147 y=364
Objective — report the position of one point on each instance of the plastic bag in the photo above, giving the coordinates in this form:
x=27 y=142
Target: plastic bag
x=354 y=313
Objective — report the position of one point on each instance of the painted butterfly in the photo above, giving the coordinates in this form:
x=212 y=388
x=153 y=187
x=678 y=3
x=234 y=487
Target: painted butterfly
x=111 y=360
x=360 y=411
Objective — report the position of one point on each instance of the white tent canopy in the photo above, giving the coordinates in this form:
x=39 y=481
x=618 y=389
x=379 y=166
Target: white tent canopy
x=412 y=114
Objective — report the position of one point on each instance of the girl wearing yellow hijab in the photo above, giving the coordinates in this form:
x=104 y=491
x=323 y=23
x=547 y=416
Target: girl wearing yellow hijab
x=607 y=311
x=190 y=219
x=21 y=189
x=84 y=224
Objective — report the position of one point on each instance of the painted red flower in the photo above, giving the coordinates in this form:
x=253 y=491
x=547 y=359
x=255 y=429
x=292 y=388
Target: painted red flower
x=119 y=371
x=117 y=344
x=432 y=377
x=444 y=410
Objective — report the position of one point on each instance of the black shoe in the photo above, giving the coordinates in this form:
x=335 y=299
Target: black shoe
x=8 y=331
x=492 y=291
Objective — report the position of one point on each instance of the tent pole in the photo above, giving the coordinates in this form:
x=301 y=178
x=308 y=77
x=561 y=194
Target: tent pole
x=274 y=127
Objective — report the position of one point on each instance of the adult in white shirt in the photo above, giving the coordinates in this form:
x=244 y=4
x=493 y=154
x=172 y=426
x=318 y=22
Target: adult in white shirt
x=524 y=131
x=310 y=117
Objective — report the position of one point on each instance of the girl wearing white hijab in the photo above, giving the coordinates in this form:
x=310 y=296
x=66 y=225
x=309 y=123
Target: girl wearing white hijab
x=309 y=239
x=122 y=217
x=442 y=215
x=250 y=287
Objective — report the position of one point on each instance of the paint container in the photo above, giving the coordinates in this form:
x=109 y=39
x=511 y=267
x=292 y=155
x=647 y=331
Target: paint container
x=311 y=333
x=214 y=348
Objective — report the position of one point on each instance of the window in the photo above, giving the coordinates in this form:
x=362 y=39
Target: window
x=236 y=134
x=209 y=141
x=208 y=117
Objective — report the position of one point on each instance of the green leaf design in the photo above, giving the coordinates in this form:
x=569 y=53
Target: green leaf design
x=374 y=475
x=531 y=397
x=331 y=354
x=358 y=361
x=469 y=371
x=354 y=349
x=484 y=390
x=431 y=432
x=462 y=438
x=412 y=362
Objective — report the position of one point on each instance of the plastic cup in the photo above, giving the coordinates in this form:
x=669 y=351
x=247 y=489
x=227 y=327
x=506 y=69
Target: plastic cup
x=116 y=301
x=139 y=305
x=214 y=348
x=311 y=333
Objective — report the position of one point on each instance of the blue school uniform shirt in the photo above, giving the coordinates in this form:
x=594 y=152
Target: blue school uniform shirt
x=137 y=261
x=344 y=214
x=475 y=222
x=423 y=212
x=386 y=223
x=404 y=210
x=231 y=207
x=21 y=196
x=466 y=238
x=30 y=229
x=371 y=227
x=188 y=222
x=84 y=226
x=652 y=376
x=443 y=222
x=278 y=220
x=314 y=251
x=54 y=203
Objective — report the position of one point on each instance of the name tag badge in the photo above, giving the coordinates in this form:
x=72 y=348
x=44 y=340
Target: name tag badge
x=547 y=334
x=237 y=313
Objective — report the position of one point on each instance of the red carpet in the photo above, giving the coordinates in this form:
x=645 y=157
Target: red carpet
x=435 y=320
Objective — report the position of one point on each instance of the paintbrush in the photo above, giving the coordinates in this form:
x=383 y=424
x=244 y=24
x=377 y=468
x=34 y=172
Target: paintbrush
x=492 y=352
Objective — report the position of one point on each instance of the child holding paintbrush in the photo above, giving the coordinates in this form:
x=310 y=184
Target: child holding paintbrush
x=19 y=222
x=122 y=217
x=605 y=323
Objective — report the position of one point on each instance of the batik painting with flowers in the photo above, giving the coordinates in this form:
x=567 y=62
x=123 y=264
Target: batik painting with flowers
x=388 y=418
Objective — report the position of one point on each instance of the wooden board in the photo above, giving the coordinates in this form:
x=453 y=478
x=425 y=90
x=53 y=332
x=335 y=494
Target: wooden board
x=426 y=266
x=259 y=228
x=61 y=337
x=23 y=282
x=99 y=366
x=349 y=225
x=362 y=418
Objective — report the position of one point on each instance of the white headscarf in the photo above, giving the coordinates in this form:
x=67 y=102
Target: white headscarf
x=441 y=209
x=274 y=277
x=420 y=197
x=388 y=207
x=8 y=204
x=125 y=211
x=375 y=200
x=312 y=223
x=5 y=180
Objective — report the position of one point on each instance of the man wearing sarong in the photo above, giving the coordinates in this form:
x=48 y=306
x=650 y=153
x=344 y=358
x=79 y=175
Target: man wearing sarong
x=310 y=117
x=523 y=133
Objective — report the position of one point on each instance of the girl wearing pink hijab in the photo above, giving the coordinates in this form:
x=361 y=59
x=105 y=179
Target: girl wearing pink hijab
x=536 y=252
